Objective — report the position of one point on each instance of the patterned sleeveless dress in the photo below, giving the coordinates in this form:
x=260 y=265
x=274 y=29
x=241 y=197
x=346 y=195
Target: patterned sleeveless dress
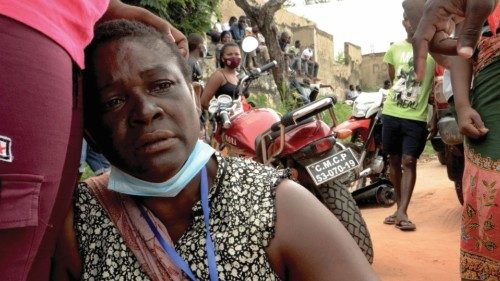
x=242 y=222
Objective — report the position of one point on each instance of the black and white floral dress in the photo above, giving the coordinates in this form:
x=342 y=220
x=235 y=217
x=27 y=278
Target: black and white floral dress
x=242 y=221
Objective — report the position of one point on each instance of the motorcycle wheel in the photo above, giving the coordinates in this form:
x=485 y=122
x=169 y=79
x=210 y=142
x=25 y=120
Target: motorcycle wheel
x=455 y=168
x=441 y=157
x=459 y=190
x=340 y=202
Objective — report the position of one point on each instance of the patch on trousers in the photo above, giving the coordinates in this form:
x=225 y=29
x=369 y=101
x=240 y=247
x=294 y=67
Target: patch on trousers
x=5 y=149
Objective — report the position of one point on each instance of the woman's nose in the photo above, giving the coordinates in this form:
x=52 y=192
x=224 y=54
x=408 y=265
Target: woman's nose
x=145 y=110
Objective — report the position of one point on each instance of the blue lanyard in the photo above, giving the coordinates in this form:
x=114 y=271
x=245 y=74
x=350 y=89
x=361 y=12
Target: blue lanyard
x=176 y=258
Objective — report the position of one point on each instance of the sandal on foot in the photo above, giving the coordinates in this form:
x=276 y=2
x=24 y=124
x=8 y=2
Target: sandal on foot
x=390 y=219
x=405 y=225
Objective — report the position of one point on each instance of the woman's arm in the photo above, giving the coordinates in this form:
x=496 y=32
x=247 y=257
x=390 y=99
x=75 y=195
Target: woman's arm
x=469 y=121
x=310 y=243
x=67 y=262
x=118 y=10
x=214 y=82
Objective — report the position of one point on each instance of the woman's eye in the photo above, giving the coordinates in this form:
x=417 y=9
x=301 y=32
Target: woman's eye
x=161 y=86
x=112 y=103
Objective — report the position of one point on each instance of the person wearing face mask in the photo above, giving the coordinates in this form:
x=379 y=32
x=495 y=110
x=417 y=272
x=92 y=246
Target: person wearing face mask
x=224 y=80
x=172 y=208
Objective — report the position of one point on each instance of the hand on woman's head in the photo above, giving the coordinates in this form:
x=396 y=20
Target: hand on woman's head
x=119 y=10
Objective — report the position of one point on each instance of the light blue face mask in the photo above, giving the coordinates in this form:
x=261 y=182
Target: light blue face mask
x=122 y=182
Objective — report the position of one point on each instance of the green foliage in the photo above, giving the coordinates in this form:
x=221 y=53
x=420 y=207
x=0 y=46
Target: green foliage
x=189 y=16
x=340 y=58
x=87 y=172
x=260 y=100
x=342 y=111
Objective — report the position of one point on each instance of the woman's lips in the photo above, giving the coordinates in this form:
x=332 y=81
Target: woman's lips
x=157 y=146
x=155 y=141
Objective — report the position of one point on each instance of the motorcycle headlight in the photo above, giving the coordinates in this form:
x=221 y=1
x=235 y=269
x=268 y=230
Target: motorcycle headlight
x=225 y=101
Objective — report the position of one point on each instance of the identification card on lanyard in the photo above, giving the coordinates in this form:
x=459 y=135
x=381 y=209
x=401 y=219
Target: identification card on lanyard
x=176 y=258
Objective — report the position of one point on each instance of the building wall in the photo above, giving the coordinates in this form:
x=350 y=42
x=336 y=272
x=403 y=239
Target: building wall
x=373 y=71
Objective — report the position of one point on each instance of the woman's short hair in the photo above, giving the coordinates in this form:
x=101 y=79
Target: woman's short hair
x=119 y=29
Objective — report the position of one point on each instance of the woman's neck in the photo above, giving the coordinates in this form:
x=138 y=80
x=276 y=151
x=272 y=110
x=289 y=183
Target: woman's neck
x=176 y=213
x=229 y=70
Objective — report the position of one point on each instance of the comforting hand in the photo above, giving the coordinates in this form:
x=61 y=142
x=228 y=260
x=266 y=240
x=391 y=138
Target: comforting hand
x=438 y=19
x=117 y=10
x=470 y=123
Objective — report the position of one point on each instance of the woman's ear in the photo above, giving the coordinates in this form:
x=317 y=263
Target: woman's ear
x=89 y=137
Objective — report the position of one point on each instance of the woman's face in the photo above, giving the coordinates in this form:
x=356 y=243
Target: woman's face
x=226 y=38
x=231 y=52
x=149 y=124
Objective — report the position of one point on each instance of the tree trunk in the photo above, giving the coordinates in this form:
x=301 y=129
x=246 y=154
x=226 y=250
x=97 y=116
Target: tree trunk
x=263 y=15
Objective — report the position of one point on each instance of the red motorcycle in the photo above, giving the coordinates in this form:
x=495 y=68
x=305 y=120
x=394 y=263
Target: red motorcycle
x=364 y=127
x=300 y=141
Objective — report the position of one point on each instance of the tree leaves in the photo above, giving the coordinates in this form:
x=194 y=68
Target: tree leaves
x=189 y=16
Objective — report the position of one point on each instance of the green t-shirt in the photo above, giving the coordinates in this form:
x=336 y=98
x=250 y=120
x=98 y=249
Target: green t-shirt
x=408 y=98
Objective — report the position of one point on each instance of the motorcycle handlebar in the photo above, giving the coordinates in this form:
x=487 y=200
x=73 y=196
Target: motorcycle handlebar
x=307 y=111
x=226 y=123
x=265 y=67
x=242 y=87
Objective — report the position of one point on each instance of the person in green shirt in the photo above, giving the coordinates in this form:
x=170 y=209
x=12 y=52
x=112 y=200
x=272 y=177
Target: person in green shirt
x=404 y=119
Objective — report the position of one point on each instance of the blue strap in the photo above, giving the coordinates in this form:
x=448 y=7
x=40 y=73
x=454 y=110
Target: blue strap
x=212 y=265
x=176 y=258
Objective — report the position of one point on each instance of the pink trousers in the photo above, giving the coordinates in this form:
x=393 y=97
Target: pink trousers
x=40 y=141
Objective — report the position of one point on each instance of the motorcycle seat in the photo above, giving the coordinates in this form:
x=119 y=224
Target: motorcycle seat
x=275 y=133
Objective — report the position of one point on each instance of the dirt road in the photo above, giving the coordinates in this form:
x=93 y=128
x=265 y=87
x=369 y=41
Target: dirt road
x=432 y=251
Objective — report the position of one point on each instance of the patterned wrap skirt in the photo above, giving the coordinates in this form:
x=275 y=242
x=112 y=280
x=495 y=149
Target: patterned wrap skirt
x=480 y=229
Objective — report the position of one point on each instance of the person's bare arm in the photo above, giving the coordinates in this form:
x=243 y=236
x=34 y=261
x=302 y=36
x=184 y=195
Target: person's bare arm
x=436 y=19
x=391 y=71
x=442 y=60
x=118 y=10
x=213 y=83
x=67 y=262
x=469 y=120
x=312 y=243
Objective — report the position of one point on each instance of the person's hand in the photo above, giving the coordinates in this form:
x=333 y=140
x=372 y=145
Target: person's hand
x=470 y=123
x=432 y=128
x=118 y=10
x=437 y=22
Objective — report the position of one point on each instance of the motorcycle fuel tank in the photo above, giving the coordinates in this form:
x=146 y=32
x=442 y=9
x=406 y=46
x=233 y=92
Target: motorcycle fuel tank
x=301 y=136
x=246 y=127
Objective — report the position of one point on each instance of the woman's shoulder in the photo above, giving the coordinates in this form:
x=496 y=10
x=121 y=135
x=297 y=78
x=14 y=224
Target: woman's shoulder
x=247 y=196
x=244 y=174
x=216 y=73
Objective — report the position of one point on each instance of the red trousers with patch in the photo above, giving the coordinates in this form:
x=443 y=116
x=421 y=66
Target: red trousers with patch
x=40 y=141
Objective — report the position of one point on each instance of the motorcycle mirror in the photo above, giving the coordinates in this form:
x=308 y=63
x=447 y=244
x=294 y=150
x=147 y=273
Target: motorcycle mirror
x=249 y=44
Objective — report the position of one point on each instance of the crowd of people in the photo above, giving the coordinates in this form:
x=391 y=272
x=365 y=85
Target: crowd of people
x=172 y=208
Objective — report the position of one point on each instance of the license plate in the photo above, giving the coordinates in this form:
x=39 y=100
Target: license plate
x=332 y=166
